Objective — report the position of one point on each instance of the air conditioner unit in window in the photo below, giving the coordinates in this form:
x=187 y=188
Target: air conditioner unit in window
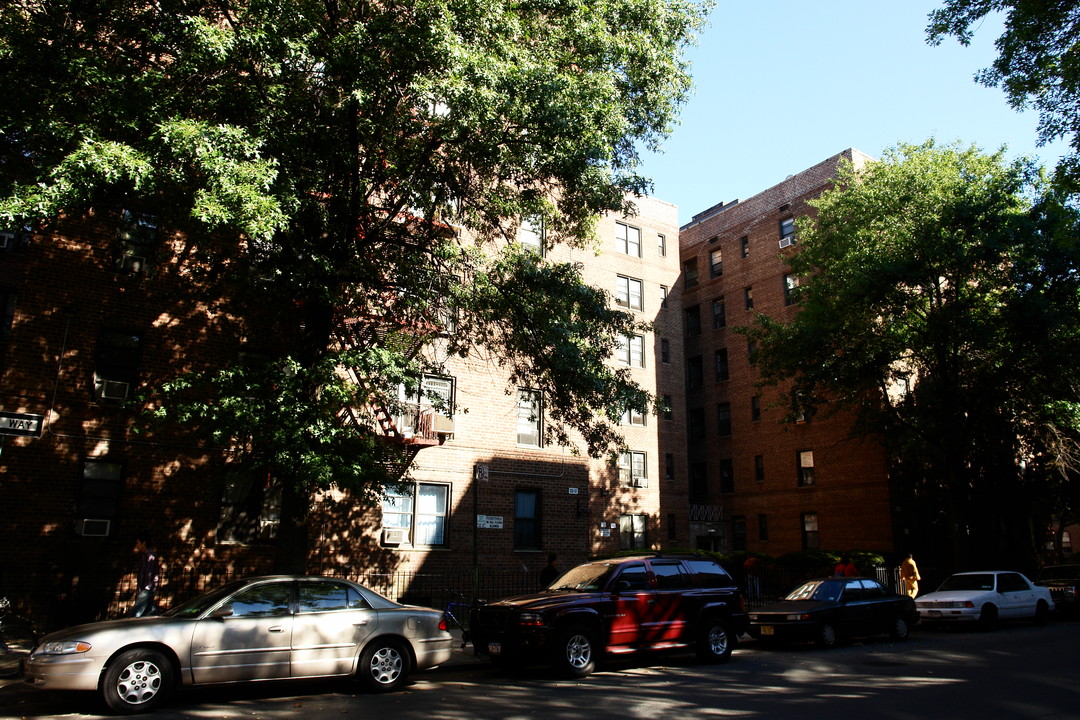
x=641 y=481
x=787 y=242
x=133 y=263
x=114 y=390
x=93 y=527
x=393 y=536
x=443 y=425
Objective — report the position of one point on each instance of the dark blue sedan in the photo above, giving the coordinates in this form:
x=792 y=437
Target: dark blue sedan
x=828 y=610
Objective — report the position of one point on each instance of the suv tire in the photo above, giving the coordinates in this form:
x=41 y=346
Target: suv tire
x=575 y=651
x=714 y=643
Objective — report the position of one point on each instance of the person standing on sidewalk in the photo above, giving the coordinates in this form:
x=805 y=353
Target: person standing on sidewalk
x=909 y=574
x=149 y=575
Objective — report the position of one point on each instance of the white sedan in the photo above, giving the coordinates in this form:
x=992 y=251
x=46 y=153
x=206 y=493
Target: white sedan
x=984 y=598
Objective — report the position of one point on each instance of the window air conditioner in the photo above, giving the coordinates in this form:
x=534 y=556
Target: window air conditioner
x=133 y=263
x=443 y=425
x=393 y=536
x=641 y=481
x=114 y=390
x=93 y=527
x=787 y=241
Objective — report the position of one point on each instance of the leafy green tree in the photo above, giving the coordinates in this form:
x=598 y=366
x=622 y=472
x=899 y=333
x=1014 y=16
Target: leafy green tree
x=939 y=301
x=325 y=152
x=1037 y=64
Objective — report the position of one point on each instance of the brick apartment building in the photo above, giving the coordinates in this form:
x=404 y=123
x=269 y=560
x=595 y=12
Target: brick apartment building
x=756 y=481
x=88 y=319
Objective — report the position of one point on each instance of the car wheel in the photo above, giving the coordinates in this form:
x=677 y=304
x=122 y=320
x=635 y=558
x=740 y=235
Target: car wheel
x=384 y=665
x=988 y=617
x=714 y=642
x=900 y=629
x=1042 y=612
x=575 y=652
x=827 y=635
x=137 y=681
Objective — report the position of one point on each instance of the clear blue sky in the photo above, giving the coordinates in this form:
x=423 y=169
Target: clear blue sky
x=782 y=84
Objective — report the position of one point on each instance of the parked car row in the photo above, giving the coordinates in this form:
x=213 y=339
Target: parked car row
x=282 y=627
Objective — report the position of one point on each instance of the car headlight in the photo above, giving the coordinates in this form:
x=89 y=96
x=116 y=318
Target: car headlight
x=531 y=619
x=64 y=647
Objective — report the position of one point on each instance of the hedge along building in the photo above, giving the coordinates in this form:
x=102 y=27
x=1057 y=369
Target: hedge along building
x=110 y=303
x=758 y=480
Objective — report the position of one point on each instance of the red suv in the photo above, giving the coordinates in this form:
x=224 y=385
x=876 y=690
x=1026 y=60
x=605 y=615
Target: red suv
x=616 y=606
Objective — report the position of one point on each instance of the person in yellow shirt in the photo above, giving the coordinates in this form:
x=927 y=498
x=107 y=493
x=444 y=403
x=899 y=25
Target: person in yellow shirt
x=909 y=574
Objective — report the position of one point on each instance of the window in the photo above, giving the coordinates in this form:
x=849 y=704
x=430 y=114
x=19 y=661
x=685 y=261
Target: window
x=250 y=509
x=531 y=235
x=693 y=321
x=694 y=373
x=632 y=534
x=690 y=273
x=810 y=538
x=699 y=482
x=723 y=419
x=787 y=232
x=762 y=527
x=721 y=363
x=137 y=240
x=99 y=497
x=419 y=510
x=631 y=350
x=633 y=416
x=748 y=298
x=672 y=527
x=755 y=408
x=716 y=263
x=744 y=246
x=529 y=418
x=669 y=576
x=327 y=596
x=719 y=314
x=667 y=408
x=266 y=600
x=433 y=396
x=117 y=360
x=663 y=296
x=738 y=532
x=804 y=460
x=12 y=240
x=759 y=468
x=628 y=239
x=527 y=520
x=791 y=282
x=632 y=470
x=628 y=293
x=695 y=424
x=669 y=467
x=661 y=245
x=727 y=477
x=665 y=350
x=7 y=316
x=751 y=352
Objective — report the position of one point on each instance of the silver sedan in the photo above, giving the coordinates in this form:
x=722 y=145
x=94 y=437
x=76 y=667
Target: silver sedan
x=263 y=628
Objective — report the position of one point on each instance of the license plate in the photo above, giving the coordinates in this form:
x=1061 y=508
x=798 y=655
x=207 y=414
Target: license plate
x=494 y=648
x=766 y=629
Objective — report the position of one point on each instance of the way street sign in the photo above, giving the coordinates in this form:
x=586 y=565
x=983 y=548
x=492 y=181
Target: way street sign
x=24 y=424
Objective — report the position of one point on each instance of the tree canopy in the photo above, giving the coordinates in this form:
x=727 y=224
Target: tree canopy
x=1037 y=65
x=940 y=299
x=326 y=151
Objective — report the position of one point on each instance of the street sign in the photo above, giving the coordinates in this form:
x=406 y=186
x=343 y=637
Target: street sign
x=24 y=424
x=491 y=522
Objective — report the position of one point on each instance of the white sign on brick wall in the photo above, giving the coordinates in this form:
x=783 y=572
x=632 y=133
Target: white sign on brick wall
x=492 y=522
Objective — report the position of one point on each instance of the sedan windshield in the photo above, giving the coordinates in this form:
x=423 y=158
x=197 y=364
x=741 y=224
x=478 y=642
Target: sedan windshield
x=977 y=581
x=583 y=578
x=824 y=590
x=201 y=603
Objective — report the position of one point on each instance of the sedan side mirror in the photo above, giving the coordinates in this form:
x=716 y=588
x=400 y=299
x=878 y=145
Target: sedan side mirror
x=223 y=611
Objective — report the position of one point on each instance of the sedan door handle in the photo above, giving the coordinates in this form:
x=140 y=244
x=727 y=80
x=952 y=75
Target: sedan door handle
x=360 y=623
x=277 y=628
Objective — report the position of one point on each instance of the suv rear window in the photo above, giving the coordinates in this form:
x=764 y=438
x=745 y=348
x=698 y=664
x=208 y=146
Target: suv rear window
x=708 y=573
